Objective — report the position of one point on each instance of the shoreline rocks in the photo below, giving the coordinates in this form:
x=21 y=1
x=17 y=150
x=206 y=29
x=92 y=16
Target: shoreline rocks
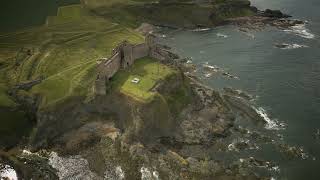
x=273 y=14
x=259 y=22
x=208 y=124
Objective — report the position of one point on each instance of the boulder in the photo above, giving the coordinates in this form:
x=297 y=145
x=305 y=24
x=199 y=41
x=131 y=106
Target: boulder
x=274 y=14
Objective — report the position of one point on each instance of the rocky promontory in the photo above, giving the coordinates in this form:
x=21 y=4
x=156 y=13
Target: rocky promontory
x=189 y=14
x=171 y=137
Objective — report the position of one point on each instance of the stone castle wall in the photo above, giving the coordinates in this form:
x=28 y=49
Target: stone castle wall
x=140 y=51
x=123 y=56
x=108 y=68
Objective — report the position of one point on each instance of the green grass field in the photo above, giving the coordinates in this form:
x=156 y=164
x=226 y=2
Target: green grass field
x=66 y=14
x=149 y=71
x=68 y=47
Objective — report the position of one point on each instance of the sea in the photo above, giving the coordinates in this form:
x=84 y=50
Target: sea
x=285 y=81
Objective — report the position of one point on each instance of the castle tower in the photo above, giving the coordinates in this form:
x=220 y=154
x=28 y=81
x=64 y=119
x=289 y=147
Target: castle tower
x=151 y=40
x=126 y=55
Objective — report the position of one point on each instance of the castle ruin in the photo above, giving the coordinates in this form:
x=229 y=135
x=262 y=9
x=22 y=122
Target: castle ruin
x=124 y=55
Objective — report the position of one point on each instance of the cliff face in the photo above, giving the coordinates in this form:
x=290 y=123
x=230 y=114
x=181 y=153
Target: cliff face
x=58 y=125
x=175 y=131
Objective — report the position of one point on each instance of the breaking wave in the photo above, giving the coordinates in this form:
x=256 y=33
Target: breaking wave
x=300 y=30
x=290 y=46
x=271 y=124
x=201 y=29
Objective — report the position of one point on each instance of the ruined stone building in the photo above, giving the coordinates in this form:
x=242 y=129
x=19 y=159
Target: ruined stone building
x=123 y=56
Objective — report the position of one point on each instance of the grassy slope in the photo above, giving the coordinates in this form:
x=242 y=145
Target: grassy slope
x=149 y=71
x=65 y=53
x=67 y=47
x=74 y=41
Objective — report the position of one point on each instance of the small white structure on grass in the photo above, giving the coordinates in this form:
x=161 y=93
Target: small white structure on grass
x=135 y=80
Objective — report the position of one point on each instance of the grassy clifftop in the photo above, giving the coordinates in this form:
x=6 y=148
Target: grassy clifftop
x=64 y=52
x=149 y=72
x=82 y=38
x=143 y=110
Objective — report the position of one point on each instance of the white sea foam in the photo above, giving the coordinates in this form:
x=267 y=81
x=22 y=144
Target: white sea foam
x=163 y=35
x=300 y=30
x=8 y=173
x=276 y=169
x=291 y=46
x=251 y=35
x=211 y=67
x=271 y=124
x=208 y=75
x=295 y=46
x=209 y=70
x=222 y=35
x=189 y=62
x=201 y=29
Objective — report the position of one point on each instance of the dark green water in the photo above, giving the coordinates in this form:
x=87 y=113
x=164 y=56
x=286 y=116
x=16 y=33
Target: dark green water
x=285 y=81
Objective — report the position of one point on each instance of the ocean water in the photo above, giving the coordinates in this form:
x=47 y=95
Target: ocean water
x=285 y=81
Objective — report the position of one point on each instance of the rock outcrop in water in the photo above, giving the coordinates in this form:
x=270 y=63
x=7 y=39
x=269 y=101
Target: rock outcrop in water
x=274 y=14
